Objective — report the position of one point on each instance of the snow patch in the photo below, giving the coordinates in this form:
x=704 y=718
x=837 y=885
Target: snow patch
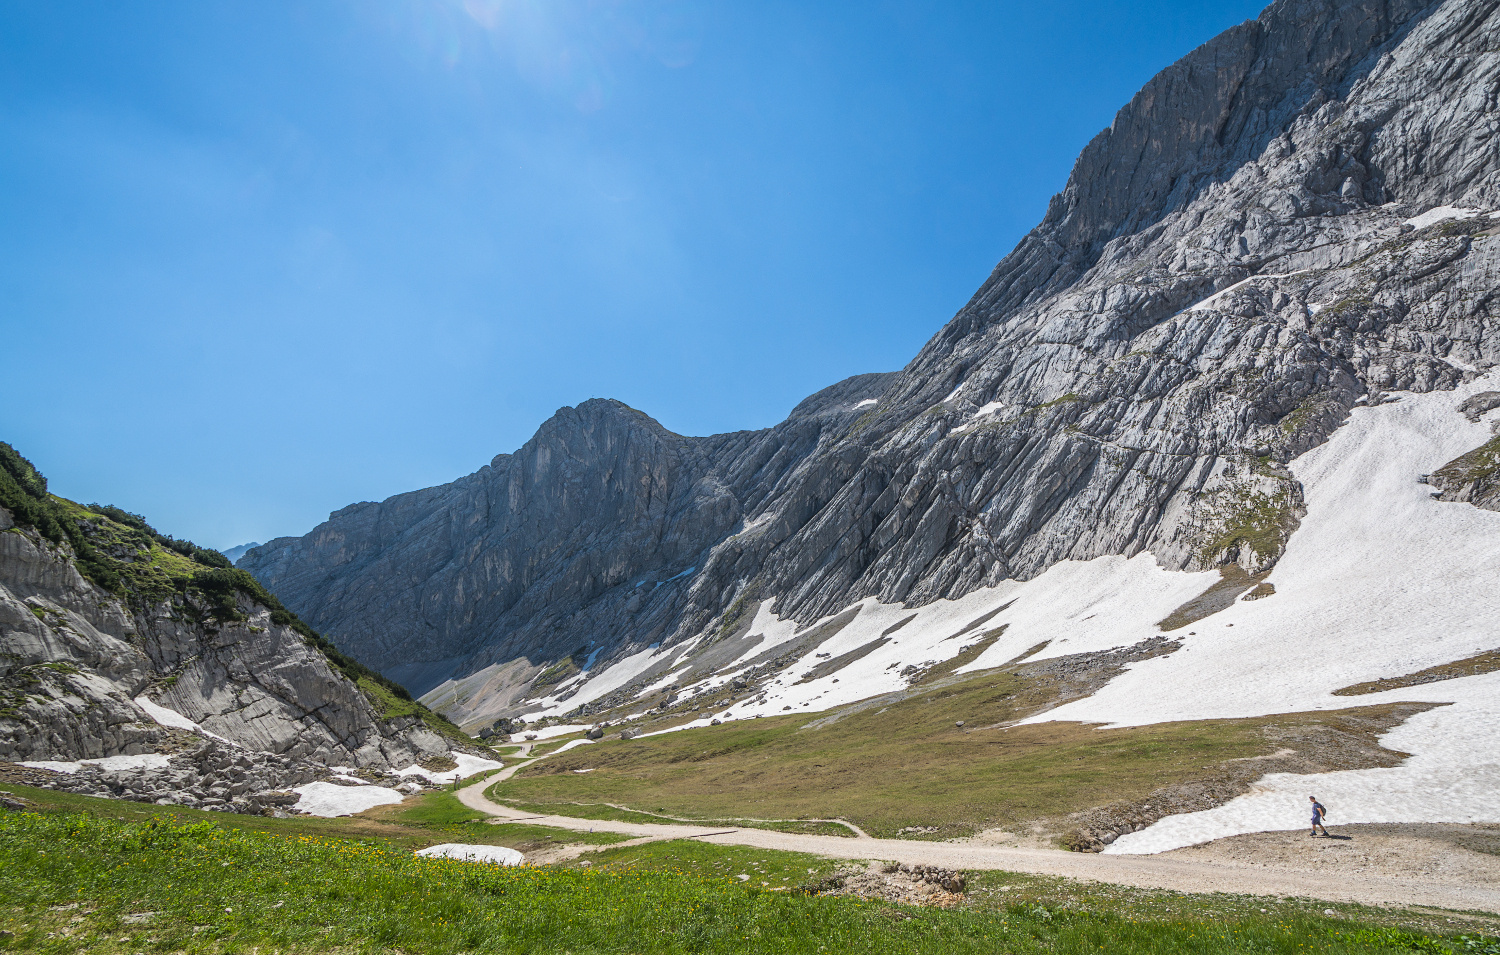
x=1441 y=214
x=973 y=420
x=1212 y=299
x=865 y=404
x=467 y=766
x=498 y=855
x=551 y=731
x=171 y=718
x=331 y=799
x=110 y=764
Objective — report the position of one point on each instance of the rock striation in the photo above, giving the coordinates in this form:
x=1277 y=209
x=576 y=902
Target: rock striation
x=74 y=660
x=138 y=666
x=1296 y=218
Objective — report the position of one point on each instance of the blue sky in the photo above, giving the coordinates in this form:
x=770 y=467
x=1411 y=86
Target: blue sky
x=260 y=260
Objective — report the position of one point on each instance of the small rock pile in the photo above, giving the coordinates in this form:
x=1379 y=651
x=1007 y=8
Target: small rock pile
x=11 y=801
x=908 y=884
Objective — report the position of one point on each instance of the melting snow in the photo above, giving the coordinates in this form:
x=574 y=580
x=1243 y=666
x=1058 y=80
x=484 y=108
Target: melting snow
x=467 y=766
x=1441 y=214
x=866 y=403
x=1209 y=302
x=499 y=855
x=110 y=764
x=1454 y=776
x=331 y=799
x=169 y=717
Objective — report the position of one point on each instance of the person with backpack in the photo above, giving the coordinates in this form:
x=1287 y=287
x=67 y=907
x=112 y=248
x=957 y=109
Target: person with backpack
x=1318 y=815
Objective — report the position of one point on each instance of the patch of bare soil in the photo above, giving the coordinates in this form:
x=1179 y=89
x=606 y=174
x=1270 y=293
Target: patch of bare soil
x=1336 y=742
x=1446 y=853
x=909 y=884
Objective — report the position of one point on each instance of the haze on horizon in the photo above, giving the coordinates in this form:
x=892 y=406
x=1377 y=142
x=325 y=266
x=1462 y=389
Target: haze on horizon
x=260 y=261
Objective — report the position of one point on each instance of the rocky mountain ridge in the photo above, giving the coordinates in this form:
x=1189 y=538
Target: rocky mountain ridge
x=1290 y=222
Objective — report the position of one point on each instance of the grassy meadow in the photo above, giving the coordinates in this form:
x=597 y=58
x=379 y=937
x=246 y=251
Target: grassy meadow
x=81 y=882
x=906 y=764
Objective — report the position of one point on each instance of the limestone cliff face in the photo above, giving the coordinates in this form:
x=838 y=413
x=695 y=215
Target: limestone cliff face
x=74 y=659
x=1291 y=220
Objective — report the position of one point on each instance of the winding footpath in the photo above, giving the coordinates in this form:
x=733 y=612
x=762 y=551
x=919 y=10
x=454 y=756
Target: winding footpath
x=1146 y=872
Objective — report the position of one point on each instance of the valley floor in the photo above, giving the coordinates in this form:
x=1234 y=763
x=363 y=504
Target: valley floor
x=80 y=874
x=1372 y=865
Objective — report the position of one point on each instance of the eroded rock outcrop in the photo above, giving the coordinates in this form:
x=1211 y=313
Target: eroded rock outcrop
x=74 y=659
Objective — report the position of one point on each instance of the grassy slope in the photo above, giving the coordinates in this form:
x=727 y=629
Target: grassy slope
x=78 y=882
x=888 y=767
x=414 y=824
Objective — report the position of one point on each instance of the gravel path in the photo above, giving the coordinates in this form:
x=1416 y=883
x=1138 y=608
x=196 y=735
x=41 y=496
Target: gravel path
x=1187 y=870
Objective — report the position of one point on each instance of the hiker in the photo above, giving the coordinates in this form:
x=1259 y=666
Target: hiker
x=1317 y=818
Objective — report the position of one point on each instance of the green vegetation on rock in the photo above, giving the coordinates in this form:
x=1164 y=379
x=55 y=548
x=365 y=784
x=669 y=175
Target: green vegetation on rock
x=121 y=553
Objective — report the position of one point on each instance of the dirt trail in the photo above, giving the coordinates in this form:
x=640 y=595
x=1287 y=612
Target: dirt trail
x=1181 y=871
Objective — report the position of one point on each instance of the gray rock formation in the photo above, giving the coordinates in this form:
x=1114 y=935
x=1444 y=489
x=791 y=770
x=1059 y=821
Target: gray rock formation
x=1291 y=220
x=74 y=659
x=237 y=551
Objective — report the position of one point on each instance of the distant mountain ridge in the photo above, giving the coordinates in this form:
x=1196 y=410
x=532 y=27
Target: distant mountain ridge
x=1288 y=223
x=237 y=551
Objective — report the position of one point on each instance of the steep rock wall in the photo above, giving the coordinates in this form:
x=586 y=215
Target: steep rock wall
x=1291 y=220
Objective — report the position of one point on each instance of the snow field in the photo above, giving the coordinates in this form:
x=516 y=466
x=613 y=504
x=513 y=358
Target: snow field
x=1380 y=580
x=1441 y=214
x=1452 y=776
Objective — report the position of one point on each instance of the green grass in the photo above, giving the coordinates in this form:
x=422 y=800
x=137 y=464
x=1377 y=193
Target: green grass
x=1250 y=516
x=391 y=706
x=897 y=764
x=607 y=813
x=766 y=868
x=81 y=883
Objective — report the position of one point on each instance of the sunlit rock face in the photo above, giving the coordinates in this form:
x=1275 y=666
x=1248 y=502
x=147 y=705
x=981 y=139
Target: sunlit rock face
x=1291 y=220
